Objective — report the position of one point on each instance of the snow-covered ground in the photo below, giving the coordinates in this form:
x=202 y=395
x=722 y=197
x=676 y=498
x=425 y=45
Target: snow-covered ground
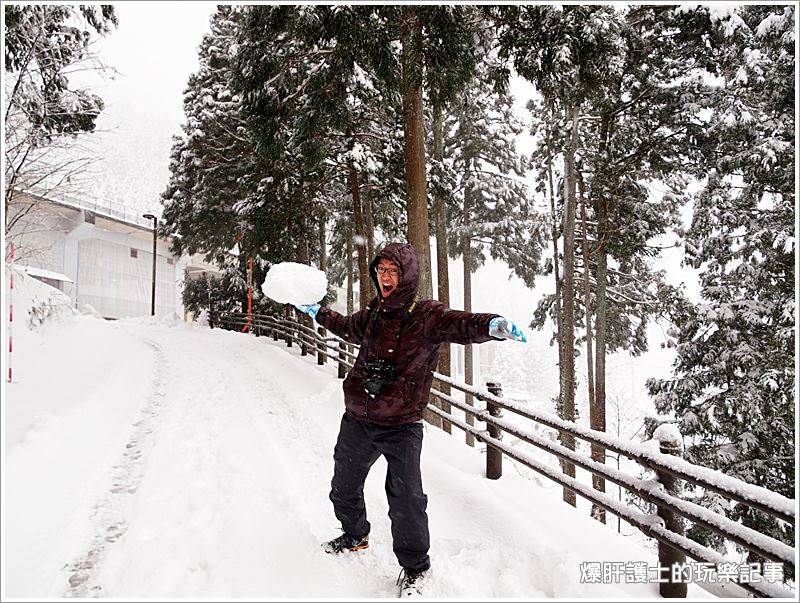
x=148 y=459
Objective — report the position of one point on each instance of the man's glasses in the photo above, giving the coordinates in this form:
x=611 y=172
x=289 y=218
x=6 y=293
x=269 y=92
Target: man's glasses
x=392 y=271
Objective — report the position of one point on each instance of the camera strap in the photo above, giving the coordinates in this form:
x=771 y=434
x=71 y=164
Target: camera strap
x=407 y=313
x=404 y=318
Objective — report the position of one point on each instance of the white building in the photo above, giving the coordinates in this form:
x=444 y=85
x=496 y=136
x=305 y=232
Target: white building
x=99 y=255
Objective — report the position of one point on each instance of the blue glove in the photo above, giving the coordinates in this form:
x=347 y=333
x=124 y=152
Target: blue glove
x=310 y=309
x=502 y=328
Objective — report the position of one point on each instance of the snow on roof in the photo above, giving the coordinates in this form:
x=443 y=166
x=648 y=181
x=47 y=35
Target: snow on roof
x=106 y=208
x=42 y=273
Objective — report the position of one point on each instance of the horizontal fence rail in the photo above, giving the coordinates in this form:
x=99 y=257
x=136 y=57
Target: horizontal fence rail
x=647 y=524
x=648 y=491
x=667 y=468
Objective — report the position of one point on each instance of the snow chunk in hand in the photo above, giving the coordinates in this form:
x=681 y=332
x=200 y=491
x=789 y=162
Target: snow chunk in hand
x=293 y=283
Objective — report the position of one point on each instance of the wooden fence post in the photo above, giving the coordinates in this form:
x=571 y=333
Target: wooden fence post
x=431 y=417
x=670 y=560
x=321 y=355
x=287 y=326
x=342 y=369
x=494 y=457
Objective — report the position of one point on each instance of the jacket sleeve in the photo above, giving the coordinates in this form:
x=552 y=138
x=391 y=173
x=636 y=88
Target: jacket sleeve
x=350 y=328
x=454 y=326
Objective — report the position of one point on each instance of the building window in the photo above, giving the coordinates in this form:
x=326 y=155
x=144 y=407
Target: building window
x=88 y=216
x=134 y=253
x=170 y=261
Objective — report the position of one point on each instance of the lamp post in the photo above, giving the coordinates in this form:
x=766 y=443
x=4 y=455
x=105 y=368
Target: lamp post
x=153 y=297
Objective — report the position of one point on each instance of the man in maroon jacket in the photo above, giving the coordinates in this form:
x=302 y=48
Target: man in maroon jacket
x=385 y=394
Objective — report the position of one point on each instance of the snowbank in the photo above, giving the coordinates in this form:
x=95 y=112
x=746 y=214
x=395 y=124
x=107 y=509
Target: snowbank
x=36 y=303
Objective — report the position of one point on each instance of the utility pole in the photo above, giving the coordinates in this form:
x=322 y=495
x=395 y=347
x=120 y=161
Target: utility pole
x=155 y=236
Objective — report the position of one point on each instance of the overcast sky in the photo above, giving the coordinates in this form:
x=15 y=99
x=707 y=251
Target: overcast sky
x=154 y=50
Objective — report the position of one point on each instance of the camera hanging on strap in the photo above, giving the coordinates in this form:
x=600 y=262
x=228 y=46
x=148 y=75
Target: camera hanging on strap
x=381 y=371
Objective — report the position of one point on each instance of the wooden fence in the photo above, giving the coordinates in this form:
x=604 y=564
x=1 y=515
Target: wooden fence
x=666 y=526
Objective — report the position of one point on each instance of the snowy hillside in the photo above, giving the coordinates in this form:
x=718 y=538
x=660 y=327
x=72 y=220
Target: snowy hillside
x=161 y=460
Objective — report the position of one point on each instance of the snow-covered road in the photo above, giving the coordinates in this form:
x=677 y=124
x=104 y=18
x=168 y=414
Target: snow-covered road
x=152 y=460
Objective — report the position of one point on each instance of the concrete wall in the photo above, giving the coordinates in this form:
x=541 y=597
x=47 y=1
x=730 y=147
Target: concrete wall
x=109 y=260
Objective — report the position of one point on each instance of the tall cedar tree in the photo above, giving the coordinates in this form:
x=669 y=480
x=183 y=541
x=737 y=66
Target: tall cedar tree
x=322 y=46
x=214 y=161
x=309 y=93
x=482 y=178
x=437 y=57
x=283 y=72
x=450 y=49
x=638 y=134
x=733 y=386
x=570 y=53
x=220 y=196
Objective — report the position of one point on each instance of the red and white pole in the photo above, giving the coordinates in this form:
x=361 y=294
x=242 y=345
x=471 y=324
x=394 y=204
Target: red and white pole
x=10 y=309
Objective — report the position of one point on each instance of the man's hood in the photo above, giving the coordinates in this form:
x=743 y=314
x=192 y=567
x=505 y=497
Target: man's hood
x=404 y=255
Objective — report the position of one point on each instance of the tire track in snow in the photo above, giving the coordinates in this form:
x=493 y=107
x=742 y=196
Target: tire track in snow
x=240 y=461
x=127 y=473
x=289 y=444
x=217 y=459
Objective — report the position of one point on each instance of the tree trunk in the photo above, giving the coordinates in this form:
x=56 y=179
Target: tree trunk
x=369 y=225
x=558 y=295
x=350 y=272
x=466 y=253
x=568 y=379
x=598 y=453
x=303 y=251
x=443 y=277
x=364 y=283
x=323 y=249
x=414 y=146
x=598 y=421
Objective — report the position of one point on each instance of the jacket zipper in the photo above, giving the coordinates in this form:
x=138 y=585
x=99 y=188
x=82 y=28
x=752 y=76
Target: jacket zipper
x=366 y=394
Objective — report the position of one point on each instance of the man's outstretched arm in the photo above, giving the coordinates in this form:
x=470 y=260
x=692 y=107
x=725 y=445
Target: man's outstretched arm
x=455 y=326
x=350 y=328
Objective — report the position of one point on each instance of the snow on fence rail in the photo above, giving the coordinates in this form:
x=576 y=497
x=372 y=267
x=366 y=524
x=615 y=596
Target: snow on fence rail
x=664 y=527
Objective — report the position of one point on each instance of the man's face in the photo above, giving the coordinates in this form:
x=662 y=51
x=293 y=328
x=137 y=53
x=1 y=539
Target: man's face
x=388 y=276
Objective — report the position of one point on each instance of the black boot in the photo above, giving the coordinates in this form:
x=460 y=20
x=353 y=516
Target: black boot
x=346 y=542
x=411 y=583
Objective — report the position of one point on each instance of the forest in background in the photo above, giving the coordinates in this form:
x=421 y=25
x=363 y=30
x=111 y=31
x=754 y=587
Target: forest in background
x=317 y=133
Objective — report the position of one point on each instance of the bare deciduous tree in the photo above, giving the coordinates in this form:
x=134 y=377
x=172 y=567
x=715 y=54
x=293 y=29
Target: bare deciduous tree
x=47 y=120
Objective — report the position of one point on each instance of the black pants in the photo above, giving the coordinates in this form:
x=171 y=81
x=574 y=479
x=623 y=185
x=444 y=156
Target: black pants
x=358 y=447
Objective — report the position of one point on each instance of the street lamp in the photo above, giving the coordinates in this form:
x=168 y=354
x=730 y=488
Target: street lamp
x=153 y=298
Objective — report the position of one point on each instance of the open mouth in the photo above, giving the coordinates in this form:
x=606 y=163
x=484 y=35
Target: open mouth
x=386 y=288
